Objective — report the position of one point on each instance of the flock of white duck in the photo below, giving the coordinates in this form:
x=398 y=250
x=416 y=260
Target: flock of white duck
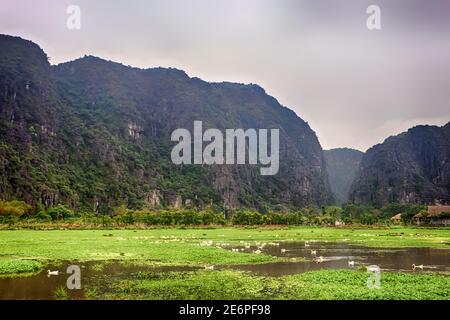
x=260 y=247
x=319 y=259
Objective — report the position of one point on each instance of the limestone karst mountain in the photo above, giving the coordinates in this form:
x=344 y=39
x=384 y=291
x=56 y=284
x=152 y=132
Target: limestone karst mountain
x=413 y=167
x=92 y=133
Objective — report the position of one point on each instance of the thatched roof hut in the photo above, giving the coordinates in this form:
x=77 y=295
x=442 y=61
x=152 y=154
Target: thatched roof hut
x=440 y=215
x=434 y=211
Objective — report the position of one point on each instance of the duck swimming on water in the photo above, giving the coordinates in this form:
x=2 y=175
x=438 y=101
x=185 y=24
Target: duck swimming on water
x=319 y=259
x=52 y=273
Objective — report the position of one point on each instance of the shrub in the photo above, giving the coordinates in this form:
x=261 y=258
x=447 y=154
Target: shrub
x=444 y=215
x=182 y=217
x=152 y=218
x=247 y=217
x=14 y=208
x=43 y=215
x=57 y=213
x=11 y=211
x=326 y=219
x=124 y=215
x=276 y=218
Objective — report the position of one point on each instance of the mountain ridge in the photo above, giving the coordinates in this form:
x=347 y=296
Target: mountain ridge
x=412 y=167
x=93 y=131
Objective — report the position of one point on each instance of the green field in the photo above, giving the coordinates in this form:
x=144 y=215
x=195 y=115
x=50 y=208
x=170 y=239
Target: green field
x=225 y=285
x=27 y=251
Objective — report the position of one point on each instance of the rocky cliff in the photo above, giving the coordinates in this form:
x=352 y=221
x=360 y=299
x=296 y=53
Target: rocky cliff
x=95 y=134
x=413 y=167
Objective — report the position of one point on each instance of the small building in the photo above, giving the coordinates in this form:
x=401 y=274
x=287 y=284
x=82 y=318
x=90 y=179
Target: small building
x=397 y=217
x=439 y=215
x=418 y=218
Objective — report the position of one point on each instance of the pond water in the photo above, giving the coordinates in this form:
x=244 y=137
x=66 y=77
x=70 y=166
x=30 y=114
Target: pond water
x=319 y=255
x=302 y=258
x=42 y=287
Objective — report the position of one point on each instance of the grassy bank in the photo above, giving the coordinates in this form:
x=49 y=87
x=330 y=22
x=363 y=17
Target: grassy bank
x=13 y=267
x=324 y=284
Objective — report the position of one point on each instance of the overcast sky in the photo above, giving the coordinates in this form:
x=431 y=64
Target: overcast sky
x=355 y=87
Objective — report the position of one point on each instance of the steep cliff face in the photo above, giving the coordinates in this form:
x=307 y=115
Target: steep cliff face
x=413 y=167
x=93 y=131
x=342 y=166
x=31 y=118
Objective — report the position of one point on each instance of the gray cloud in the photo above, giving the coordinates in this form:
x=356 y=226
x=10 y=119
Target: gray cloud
x=355 y=87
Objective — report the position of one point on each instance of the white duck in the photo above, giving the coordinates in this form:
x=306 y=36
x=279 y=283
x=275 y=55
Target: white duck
x=351 y=263
x=319 y=259
x=52 y=273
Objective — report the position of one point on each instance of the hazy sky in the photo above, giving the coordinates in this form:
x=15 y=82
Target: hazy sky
x=355 y=87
